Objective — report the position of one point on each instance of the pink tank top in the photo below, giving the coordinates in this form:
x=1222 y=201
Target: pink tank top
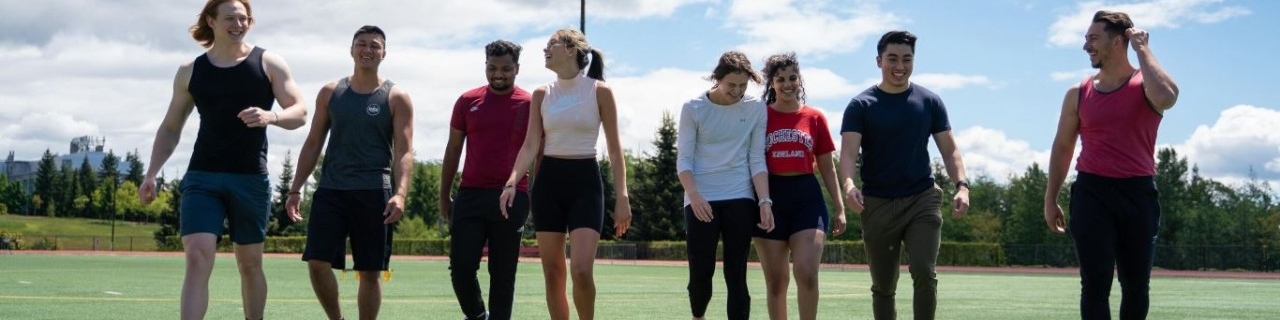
x=1117 y=130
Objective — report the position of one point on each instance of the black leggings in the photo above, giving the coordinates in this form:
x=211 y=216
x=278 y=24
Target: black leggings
x=1114 y=223
x=735 y=220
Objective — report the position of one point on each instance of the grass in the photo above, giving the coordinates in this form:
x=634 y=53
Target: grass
x=147 y=287
x=81 y=233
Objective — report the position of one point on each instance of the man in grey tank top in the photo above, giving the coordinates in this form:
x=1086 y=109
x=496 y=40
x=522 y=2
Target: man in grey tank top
x=369 y=124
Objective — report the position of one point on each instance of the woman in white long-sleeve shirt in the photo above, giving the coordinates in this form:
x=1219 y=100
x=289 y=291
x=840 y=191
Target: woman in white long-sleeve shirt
x=720 y=161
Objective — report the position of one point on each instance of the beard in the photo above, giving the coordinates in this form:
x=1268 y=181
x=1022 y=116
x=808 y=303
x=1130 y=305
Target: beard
x=500 y=86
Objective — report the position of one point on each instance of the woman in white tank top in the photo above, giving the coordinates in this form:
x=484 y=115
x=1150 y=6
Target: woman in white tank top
x=567 y=195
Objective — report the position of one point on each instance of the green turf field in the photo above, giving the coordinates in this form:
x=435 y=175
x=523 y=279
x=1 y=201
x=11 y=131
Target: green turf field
x=147 y=287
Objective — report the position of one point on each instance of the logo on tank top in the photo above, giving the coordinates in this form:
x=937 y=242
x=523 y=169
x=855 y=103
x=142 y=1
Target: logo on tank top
x=373 y=110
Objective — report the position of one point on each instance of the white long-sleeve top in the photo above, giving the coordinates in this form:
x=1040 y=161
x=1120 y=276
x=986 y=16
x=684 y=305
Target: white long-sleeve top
x=722 y=145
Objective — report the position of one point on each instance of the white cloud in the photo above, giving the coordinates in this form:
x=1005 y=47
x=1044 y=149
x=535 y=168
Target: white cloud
x=991 y=153
x=950 y=81
x=1242 y=139
x=1069 y=29
x=1072 y=76
x=816 y=27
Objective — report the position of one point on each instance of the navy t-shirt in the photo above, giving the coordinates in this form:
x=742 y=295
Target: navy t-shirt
x=895 y=132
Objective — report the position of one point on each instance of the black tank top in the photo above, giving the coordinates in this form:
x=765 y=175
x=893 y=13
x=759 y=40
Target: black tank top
x=224 y=143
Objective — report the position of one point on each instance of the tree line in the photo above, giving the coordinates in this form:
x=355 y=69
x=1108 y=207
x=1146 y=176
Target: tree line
x=1196 y=210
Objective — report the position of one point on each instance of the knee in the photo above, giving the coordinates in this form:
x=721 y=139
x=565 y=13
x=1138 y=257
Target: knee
x=580 y=273
x=318 y=266
x=776 y=285
x=370 y=278
x=806 y=279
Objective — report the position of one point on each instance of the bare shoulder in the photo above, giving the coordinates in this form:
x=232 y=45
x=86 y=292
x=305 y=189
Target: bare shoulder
x=603 y=87
x=399 y=95
x=328 y=88
x=540 y=91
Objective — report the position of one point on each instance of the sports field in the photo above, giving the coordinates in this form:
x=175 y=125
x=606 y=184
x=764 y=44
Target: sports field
x=146 y=286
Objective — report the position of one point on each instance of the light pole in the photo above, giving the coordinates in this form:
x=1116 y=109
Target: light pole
x=582 y=16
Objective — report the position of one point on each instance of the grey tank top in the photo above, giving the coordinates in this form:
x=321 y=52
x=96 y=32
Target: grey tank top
x=359 y=153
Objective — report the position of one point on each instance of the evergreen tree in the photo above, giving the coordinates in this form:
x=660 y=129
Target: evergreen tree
x=46 y=177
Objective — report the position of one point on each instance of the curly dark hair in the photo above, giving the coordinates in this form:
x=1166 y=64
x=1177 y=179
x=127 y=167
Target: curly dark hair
x=772 y=66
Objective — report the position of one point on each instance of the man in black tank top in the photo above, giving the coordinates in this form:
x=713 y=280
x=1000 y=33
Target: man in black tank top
x=232 y=86
x=369 y=123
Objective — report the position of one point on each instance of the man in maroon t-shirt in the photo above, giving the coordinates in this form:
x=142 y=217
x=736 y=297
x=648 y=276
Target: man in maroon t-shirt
x=1115 y=208
x=491 y=120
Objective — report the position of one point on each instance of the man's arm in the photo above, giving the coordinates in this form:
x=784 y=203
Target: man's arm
x=293 y=114
x=1064 y=146
x=850 y=143
x=170 y=131
x=1158 y=86
x=311 y=148
x=449 y=168
x=401 y=144
x=955 y=169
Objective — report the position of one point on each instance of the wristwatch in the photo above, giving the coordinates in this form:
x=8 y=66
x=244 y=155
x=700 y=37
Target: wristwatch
x=962 y=183
x=766 y=202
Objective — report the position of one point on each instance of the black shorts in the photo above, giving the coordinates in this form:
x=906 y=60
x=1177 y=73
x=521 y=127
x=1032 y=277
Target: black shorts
x=339 y=214
x=567 y=195
x=797 y=206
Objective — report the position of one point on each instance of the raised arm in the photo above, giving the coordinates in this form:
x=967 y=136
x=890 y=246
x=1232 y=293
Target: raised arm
x=292 y=114
x=1159 y=87
x=1064 y=146
x=170 y=131
x=310 y=154
x=617 y=160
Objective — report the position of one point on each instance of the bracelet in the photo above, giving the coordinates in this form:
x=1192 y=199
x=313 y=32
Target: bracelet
x=275 y=117
x=508 y=187
x=295 y=192
x=766 y=202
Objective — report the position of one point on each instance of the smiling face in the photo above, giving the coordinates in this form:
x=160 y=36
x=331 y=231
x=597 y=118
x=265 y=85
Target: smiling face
x=231 y=22
x=501 y=72
x=732 y=86
x=786 y=84
x=1099 y=44
x=895 y=65
x=368 y=50
x=558 y=52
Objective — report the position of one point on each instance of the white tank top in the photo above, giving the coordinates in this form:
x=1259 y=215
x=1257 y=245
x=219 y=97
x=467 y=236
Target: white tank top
x=571 y=117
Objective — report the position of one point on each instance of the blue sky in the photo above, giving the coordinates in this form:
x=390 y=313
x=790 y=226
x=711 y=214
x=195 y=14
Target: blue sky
x=1001 y=66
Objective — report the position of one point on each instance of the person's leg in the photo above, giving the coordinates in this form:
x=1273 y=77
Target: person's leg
x=1093 y=228
x=325 y=285
x=371 y=240
x=369 y=296
x=739 y=223
x=806 y=253
x=551 y=250
x=921 y=239
x=700 y=247
x=504 y=256
x=253 y=282
x=200 y=250
x=775 y=261
x=582 y=257
x=1139 y=224
x=882 y=228
x=202 y=214
x=467 y=239
x=326 y=248
x=249 y=200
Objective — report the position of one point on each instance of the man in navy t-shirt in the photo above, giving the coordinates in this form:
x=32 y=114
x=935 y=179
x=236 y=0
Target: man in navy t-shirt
x=890 y=124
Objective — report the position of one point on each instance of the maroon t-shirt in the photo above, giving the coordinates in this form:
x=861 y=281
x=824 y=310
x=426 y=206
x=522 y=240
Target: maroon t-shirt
x=494 y=126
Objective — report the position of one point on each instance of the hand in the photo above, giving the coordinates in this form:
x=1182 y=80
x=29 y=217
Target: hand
x=853 y=198
x=1053 y=217
x=147 y=191
x=838 y=224
x=1137 y=38
x=506 y=200
x=444 y=205
x=766 y=218
x=621 y=217
x=701 y=208
x=255 y=117
x=395 y=209
x=960 y=203
x=291 y=206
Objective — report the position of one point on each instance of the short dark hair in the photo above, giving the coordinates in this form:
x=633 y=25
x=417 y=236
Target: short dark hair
x=369 y=29
x=1114 y=22
x=500 y=47
x=734 y=62
x=896 y=37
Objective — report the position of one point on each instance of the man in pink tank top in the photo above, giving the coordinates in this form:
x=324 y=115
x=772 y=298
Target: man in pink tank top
x=1115 y=211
